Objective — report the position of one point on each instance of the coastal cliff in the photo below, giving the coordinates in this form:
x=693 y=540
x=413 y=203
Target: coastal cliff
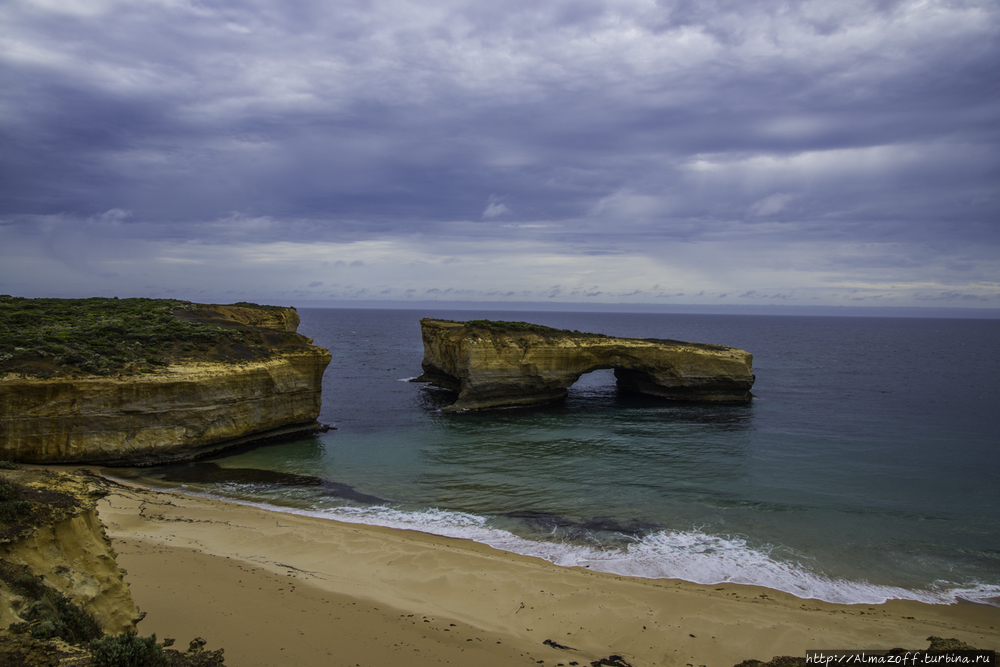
x=165 y=381
x=58 y=574
x=497 y=364
x=63 y=598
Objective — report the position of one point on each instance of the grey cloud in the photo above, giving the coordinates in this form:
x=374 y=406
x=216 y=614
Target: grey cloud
x=494 y=208
x=622 y=126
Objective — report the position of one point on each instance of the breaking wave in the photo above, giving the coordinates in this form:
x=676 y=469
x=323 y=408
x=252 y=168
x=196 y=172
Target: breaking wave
x=692 y=556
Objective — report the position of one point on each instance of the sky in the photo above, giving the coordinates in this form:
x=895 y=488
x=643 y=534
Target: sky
x=727 y=152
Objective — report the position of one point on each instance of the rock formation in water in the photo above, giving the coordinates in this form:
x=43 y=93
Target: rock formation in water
x=186 y=380
x=496 y=364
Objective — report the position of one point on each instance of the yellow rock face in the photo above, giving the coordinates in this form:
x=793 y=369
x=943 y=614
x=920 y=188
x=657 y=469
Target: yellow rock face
x=186 y=409
x=179 y=412
x=526 y=366
x=72 y=554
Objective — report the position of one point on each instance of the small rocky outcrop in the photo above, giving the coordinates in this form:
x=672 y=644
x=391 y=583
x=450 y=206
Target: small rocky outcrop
x=497 y=364
x=142 y=381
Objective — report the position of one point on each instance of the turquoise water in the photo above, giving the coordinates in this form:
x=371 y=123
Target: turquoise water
x=865 y=468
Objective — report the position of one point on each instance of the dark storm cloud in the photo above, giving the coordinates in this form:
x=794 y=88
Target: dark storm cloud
x=596 y=127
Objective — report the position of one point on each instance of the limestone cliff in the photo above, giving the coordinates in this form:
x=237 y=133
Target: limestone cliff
x=55 y=559
x=244 y=374
x=63 y=598
x=495 y=364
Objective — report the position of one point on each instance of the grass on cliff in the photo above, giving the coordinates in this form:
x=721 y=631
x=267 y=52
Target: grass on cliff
x=23 y=506
x=127 y=650
x=102 y=336
x=47 y=613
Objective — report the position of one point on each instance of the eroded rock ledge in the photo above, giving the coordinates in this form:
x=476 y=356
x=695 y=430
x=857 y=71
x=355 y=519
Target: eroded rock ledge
x=245 y=375
x=497 y=364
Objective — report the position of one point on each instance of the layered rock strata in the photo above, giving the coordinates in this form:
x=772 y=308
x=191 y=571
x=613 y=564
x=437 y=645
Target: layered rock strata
x=185 y=409
x=497 y=364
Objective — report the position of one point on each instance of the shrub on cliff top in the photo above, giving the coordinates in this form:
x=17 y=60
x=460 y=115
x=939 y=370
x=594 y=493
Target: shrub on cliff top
x=504 y=327
x=127 y=650
x=250 y=304
x=50 y=614
x=11 y=506
x=58 y=616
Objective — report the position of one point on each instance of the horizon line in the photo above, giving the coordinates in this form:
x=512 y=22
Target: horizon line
x=930 y=312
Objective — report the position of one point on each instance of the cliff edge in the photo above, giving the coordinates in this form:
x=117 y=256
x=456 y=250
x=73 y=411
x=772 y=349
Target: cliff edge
x=497 y=364
x=146 y=381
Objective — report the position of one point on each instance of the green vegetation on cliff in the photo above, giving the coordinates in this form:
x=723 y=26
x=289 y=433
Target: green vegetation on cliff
x=102 y=336
x=50 y=614
x=497 y=327
x=127 y=650
x=52 y=626
x=24 y=506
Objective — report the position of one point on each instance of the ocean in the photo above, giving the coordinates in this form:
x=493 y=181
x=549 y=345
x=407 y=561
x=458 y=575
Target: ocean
x=864 y=469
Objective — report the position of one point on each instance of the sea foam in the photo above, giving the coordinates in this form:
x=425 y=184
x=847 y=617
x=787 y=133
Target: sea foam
x=692 y=556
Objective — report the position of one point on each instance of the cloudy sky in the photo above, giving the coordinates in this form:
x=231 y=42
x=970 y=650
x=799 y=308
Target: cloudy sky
x=663 y=152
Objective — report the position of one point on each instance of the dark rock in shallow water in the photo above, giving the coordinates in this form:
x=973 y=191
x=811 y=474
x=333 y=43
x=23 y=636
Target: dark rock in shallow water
x=549 y=521
x=207 y=472
x=546 y=520
x=212 y=473
x=347 y=492
x=606 y=524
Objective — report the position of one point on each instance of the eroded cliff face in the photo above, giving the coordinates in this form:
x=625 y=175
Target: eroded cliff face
x=269 y=317
x=182 y=410
x=517 y=364
x=51 y=540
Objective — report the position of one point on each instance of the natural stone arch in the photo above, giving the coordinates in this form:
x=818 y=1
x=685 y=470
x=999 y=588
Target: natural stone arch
x=496 y=364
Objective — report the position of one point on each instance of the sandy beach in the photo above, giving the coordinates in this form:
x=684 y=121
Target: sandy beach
x=280 y=589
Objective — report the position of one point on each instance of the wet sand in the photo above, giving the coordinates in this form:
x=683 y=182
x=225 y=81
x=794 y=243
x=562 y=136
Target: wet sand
x=279 y=589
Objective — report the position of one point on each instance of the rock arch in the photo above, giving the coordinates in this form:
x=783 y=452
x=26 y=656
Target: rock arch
x=497 y=364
